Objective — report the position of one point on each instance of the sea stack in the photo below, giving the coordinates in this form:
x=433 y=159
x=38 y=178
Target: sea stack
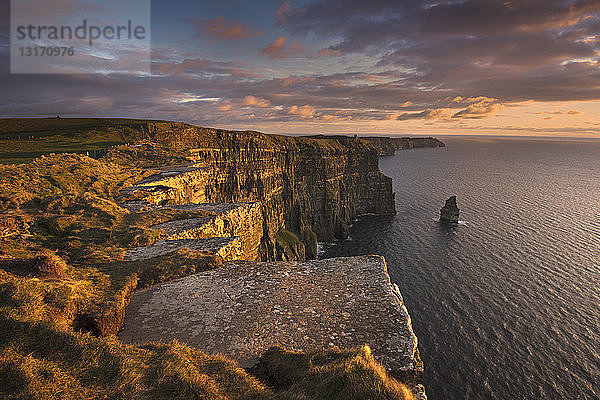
x=449 y=213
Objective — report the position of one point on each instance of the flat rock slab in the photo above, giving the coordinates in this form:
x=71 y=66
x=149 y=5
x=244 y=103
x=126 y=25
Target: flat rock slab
x=172 y=228
x=244 y=308
x=170 y=171
x=164 y=247
x=218 y=208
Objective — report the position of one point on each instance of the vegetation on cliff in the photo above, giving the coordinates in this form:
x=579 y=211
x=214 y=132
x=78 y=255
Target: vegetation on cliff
x=64 y=281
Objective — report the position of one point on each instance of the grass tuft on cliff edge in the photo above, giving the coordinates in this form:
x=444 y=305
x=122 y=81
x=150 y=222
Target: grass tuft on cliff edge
x=328 y=374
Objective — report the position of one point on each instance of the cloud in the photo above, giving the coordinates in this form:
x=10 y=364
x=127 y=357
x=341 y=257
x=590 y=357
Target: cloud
x=201 y=66
x=510 y=50
x=328 y=52
x=570 y=112
x=257 y=102
x=224 y=106
x=285 y=10
x=476 y=108
x=479 y=110
x=334 y=118
x=454 y=63
x=223 y=29
x=280 y=49
x=440 y=113
x=305 y=111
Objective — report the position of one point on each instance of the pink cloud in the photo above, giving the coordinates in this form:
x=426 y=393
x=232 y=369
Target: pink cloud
x=280 y=49
x=283 y=11
x=328 y=53
x=223 y=29
x=257 y=102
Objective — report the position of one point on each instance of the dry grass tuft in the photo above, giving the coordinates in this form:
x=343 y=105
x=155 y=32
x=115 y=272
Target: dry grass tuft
x=49 y=265
x=328 y=374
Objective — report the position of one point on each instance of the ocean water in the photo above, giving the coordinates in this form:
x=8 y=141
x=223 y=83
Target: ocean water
x=507 y=304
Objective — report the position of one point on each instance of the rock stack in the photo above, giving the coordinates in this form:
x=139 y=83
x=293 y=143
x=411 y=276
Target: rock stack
x=450 y=213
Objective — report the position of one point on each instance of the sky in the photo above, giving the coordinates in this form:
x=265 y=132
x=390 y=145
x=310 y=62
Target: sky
x=390 y=67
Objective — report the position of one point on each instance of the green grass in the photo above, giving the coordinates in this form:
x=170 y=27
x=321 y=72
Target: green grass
x=289 y=243
x=24 y=139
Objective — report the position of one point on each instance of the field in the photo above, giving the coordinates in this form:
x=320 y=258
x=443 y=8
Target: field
x=23 y=139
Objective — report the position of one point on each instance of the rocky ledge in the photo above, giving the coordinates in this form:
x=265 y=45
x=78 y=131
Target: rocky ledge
x=244 y=308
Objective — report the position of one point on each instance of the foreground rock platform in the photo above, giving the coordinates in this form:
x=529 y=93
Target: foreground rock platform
x=244 y=308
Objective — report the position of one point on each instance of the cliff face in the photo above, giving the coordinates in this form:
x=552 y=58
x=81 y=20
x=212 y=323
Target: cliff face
x=313 y=188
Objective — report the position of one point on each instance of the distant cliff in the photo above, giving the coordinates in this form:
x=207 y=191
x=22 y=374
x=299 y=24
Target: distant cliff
x=308 y=188
x=387 y=146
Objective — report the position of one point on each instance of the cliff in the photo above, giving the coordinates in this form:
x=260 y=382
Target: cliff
x=81 y=235
x=313 y=188
x=387 y=146
x=311 y=305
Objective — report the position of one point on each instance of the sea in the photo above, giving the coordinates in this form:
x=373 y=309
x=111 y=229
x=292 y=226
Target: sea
x=505 y=304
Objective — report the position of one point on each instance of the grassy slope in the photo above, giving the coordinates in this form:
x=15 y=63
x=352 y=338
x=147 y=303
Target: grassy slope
x=64 y=285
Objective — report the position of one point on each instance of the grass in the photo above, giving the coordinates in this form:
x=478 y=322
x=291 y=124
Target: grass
x=24 y=139
x=64 y=240
x=290 y=245
x=328 y=374
x=64 y=286
x=41 y=362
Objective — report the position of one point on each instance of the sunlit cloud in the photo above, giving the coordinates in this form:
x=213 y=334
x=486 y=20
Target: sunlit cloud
x=334 y=67
x=281 y=49
x=221 y=28
x=253 y=101
x=305 y=111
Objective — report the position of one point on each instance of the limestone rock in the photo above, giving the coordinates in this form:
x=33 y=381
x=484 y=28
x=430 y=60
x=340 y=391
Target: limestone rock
x=450 y=212
x=244 y=308
x=229 y=248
